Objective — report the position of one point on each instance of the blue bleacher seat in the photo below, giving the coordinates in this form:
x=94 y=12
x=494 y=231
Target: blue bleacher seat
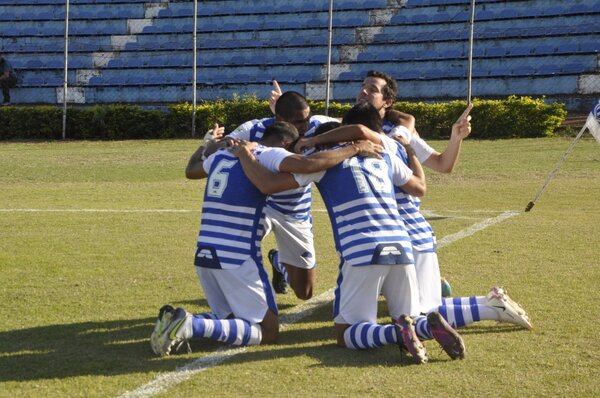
x=567 y=48
x=34 y=64
x=544 y=50
x=520 y=51
x=495 y=52
x=550 y=69
x=586 y=47
x=54 y=64
x=573 y=68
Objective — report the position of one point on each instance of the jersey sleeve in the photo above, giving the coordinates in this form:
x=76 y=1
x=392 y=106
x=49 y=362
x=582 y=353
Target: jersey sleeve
x=400 y=131
x=242 y=132
x=401 y=172
x=422 y=148
x=305 y=179
x=271 y=158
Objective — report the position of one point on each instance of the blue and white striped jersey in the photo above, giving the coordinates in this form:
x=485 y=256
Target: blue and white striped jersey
x=360 y=200
x=232 y=215
x=420 y=231
x=294 y=203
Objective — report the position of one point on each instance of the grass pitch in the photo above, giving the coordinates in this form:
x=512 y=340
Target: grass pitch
x=87 y=258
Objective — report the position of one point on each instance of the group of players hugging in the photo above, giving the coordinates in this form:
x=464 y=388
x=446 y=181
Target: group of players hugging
x=368 y=168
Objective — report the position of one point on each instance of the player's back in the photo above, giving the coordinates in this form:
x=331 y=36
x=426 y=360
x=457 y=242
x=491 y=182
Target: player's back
x=360 y=199
x=232 y=213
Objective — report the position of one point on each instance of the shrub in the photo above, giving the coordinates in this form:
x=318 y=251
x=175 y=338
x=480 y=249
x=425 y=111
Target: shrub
x=513 y=117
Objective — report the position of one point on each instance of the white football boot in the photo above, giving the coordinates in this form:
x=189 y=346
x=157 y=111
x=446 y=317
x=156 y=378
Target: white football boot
x=507 y=309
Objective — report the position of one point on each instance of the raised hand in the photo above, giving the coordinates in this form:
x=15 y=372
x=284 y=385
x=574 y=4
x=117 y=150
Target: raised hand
x=275 y=94
x=462 y=127
x=213 y=135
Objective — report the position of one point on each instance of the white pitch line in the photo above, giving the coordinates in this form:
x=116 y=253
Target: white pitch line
x=96 y=211
x=446 y=240
x=167 y=380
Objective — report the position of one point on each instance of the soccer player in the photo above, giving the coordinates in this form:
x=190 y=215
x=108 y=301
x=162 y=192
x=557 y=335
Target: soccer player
x=497 y=305
x=288 y=213
x=228 y=256
x=375 y=250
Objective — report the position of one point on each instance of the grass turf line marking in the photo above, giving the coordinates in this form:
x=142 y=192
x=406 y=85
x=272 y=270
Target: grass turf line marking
x=449 y=239
x=96 y=211
x=167 y=380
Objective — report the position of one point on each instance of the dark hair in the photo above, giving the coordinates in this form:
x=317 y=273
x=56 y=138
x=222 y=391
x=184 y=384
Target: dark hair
x=390 y=91
x=325 y=127
x=364 y=113
x=283 y=131
x=289 y=103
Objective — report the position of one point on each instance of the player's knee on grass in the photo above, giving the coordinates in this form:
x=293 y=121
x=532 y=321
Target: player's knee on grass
x=302 y=281
x=270 y=328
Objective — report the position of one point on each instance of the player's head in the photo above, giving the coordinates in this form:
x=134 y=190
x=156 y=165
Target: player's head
x=293 y=108
x=280 y=134
x=379 y=89
x=323 y=128
x=366 y=114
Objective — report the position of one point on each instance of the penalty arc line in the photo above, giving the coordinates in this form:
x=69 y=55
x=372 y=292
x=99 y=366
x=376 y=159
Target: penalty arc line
x=167 y=380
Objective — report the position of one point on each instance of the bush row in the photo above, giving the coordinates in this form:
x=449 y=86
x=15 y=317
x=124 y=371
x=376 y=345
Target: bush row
x=510 y=118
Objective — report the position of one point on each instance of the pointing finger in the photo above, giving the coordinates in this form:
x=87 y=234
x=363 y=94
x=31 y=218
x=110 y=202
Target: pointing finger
x=276 y=87
x=466 y=112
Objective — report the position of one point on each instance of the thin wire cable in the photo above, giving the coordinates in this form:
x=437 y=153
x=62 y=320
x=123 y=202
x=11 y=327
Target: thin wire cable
x=329 y=43
x=560 y=162
x=471 y=35
x=195 y=74
x=66 y=70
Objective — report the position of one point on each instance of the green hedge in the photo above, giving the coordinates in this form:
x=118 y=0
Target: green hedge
x=513 y=117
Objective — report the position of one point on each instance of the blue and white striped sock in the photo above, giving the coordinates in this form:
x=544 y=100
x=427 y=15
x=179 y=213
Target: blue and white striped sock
x=481 y=300
x=279 y=267
x=422 y=328
x=462 y=315
x=230 y=331
x=369 y=335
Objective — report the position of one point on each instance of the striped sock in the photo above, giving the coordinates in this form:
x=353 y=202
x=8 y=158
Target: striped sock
x=422 y=328
x=481 y=300
x=461 y=311
x=279 y=267
x=230 y=331
x=369 y=335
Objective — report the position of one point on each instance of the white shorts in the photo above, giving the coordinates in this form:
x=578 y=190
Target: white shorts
x=428 y=275
x=358 y=290
x=244 y=292
x=294 y=239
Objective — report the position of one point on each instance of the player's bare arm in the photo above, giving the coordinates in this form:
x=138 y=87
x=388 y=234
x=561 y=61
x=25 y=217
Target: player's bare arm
x=327 y=159
x=194 y=169
x=351 y=132
x=446 y=161
x=265 y=180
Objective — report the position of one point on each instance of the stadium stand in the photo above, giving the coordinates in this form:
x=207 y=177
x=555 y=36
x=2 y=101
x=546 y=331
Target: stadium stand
x=140 y=51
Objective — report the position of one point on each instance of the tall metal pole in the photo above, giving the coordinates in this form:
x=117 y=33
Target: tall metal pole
x=66 y=61
x=470 y=74
x=329 y=41
x=194 y=78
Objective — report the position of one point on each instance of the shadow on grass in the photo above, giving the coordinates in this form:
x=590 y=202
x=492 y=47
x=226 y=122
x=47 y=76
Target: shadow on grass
x=122 y=347
x=89 y=348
